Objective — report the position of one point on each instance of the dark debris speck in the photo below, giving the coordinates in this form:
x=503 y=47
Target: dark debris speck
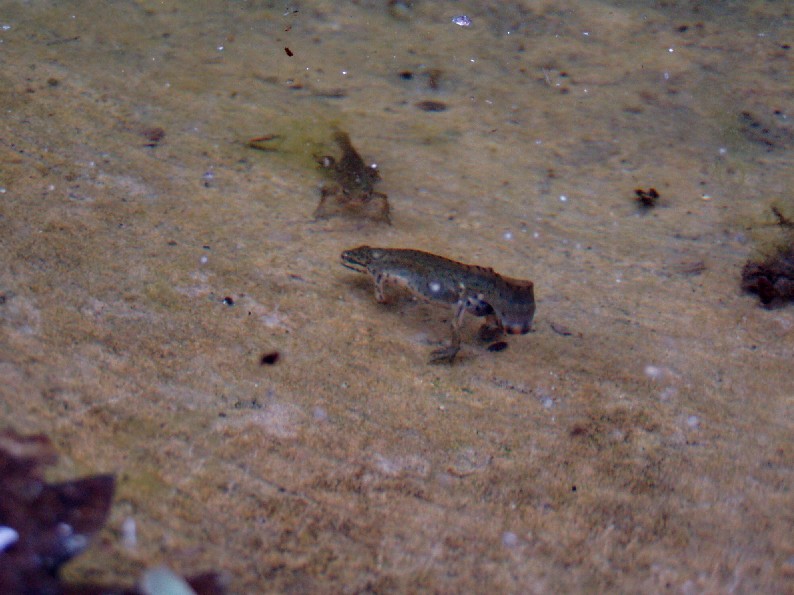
x=646 y=198
x=431 y=106
x=269 y=358
x=772 y=279
x=498 y=346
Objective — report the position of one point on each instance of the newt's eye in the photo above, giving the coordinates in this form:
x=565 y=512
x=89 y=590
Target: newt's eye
x=377 y=254
x=434 y=286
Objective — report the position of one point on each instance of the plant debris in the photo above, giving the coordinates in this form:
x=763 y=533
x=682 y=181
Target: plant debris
x=765 y=131
x=772 y=278
x=431 y=106
x=259 y=142
x=153 y=136
x=646 y=199
x=44 y=525
x=782 y=219
x=352 y=190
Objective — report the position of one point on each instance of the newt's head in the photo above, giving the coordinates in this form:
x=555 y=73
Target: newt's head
x=358 y=259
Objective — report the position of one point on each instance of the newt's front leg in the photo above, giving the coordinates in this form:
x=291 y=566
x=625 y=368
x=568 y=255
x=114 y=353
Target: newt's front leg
x=380 y=288
x=447 y=354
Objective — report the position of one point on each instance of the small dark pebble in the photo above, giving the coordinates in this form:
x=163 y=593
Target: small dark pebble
x=560 y=329
x=270 y=358
x=498 y=346
x=646 y=199
x=406 y=75
x=53 y=82
x=288 y=52
x=431 y=106
x=229 y=301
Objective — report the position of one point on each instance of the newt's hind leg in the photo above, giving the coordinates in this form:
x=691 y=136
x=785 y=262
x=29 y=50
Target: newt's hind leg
x=491 y=329
x=447 y=354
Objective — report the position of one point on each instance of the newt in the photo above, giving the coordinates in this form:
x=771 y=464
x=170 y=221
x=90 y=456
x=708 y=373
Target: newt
x=507 y=304
x=352 y=191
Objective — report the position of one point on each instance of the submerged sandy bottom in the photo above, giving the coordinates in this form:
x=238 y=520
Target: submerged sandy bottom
x=639 y=440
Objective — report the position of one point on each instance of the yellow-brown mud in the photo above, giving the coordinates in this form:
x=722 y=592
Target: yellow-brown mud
x=649 y=449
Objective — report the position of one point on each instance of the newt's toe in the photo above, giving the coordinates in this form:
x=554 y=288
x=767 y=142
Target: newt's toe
x=445 y=355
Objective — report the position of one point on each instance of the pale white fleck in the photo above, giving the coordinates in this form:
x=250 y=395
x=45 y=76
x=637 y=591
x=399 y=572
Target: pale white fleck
x=462 y=20
x=508 y=235
x=509 y=539
x=163 y=580
x=563 y=198
x=129 y=533
x=434 y=286
x=653 y=371
x=8 y=536
x=204 y=260
x=693 y=421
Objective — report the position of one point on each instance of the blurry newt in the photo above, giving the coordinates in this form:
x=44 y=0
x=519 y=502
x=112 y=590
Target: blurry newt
x=507 y=304
x=353 y=189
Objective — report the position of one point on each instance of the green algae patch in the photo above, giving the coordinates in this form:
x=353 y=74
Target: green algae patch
x=299 y=141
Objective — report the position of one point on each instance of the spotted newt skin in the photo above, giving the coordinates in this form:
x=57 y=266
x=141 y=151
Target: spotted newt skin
x=353 y=189
x=507 y=304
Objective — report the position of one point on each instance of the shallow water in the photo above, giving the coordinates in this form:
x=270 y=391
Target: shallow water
x=639 y=439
